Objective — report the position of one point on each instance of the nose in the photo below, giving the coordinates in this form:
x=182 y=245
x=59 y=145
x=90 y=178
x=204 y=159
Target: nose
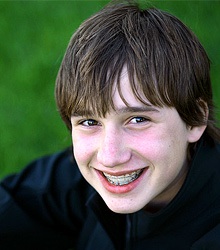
x=113 y=150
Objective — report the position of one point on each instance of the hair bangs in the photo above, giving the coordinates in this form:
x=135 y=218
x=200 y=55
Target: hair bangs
x=93 y=95
x=165 y=63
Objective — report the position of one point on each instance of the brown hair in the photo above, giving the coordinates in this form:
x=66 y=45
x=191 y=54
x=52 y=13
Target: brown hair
x=164 y=60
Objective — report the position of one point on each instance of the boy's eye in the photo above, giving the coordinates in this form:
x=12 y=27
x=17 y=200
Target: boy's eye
x=138 y=119
x=89 y=122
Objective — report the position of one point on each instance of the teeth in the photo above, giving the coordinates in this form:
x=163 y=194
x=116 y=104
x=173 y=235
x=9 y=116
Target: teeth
x=123 y=179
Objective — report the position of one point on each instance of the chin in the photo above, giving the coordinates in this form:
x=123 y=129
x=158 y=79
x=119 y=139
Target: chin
x=120 y=207
x=123 y=210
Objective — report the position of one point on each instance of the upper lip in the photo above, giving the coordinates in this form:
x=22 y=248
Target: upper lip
x=124 y=172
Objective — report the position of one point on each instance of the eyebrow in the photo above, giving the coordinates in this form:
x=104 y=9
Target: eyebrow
x=136 y=109
x=132 y=109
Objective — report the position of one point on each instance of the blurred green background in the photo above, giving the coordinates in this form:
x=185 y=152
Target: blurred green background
x=33 y=39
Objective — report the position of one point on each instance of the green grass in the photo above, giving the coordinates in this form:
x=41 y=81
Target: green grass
x=33 y=39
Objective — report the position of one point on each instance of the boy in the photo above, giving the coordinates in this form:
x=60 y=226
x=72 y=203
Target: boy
x=135 y=92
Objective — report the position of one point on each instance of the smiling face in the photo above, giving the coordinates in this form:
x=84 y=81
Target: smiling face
x=136 y=156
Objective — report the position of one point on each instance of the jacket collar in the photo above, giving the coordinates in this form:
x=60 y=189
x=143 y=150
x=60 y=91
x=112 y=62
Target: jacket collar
x=114 y=224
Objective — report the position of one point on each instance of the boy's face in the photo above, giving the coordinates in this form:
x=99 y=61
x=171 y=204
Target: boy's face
x=134 y=157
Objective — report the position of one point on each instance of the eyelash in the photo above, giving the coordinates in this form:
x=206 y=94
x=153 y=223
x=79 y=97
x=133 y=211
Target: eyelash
x=140 y=118
x=88 y=121
x=96 y=123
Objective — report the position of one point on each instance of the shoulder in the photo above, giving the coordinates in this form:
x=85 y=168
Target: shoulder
x=47 y=189
x=210 y=241
x=46 y=199
x=45 y=173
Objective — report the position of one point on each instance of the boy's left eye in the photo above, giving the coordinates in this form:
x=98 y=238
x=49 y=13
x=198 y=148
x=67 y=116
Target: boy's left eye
x=138 y=119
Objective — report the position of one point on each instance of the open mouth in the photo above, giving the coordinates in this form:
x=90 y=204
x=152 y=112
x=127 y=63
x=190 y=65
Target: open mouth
x=123 y=179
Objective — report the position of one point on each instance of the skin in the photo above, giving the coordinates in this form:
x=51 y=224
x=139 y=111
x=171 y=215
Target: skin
x=139 y=137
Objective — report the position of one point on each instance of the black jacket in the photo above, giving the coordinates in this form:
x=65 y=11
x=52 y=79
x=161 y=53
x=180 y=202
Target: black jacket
x=50 y=206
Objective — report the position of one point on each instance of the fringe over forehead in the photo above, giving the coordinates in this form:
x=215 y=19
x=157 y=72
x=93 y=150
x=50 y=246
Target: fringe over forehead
x=165 y=63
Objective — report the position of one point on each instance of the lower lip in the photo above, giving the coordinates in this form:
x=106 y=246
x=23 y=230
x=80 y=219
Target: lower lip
x=120 y=189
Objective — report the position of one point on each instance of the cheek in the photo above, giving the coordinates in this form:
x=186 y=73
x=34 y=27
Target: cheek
x=83 y=149
x=151 y=143
x=164 y=146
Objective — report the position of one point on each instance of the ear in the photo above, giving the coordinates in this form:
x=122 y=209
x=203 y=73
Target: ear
x=196 y=132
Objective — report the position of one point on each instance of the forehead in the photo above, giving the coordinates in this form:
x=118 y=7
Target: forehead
x=123 y=93
x=123 y=88
x=122 y=99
